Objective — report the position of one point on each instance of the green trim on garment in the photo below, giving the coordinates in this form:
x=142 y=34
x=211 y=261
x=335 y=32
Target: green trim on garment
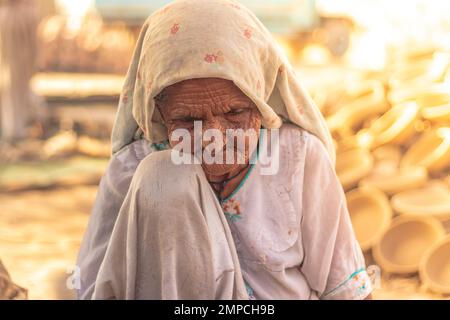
x=158 y=146
x=261 y=137
x=345 y=282
x=233 y=216
x=250 y=292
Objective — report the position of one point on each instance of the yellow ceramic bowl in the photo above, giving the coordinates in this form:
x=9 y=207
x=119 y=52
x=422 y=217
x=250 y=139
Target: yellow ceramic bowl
x=352 y=166
x=435 y=106
x=417 y=92
x=401 y=179
x=403 y=244
x=412 y=54
x=421 y=72
x=432 y=151
x=361 y=140
x=353 y=90
x=396 y=125
x=411 y=74
x=435 y=267
x=354 y=113
x=432 y=200
x=370 y=213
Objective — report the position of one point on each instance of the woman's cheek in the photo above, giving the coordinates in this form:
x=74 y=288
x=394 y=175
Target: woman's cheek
x=178 y=134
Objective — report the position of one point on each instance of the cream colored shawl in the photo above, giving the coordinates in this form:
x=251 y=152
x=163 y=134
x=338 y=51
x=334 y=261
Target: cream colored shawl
x=211 y=38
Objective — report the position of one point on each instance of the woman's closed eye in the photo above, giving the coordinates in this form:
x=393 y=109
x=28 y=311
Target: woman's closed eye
x=236 y=111
x=188 y=119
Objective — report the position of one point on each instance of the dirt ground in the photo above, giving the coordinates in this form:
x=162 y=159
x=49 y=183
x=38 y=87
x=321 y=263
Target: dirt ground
x=41 y=230
x=40 y=234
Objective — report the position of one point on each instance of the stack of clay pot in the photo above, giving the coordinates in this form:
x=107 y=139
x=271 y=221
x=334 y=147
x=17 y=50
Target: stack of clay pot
x=95 y=46
x=392 y=133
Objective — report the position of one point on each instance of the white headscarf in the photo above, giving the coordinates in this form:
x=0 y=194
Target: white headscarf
x=189 y=39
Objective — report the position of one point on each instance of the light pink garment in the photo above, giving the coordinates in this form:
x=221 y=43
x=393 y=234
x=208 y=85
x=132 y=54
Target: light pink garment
x=171 y=239
x=294 y=238
x=292 y=231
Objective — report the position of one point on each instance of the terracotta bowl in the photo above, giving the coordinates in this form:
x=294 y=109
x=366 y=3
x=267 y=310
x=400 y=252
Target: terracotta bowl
x=435 y=106
x=431 y=200
x=415 y=92
x=404 y=243
x=432 y=151
x=396 y=125
x=352 y=165
x=362 y=140
x=370 y=213
x=355 y=112
x=388 y=152
x=393 y=180
x=423 y=71
x=353 y=90
x=435 y=267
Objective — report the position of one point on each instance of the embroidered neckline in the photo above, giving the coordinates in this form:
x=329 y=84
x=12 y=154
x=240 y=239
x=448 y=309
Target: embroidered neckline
x=158 y=146
x=352 y=276
x=261 y=138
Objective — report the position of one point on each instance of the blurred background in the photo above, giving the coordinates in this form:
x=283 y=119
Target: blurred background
x=378 y=69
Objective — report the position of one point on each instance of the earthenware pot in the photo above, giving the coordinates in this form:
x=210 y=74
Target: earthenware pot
x=394 y=180
x=352 y=166
x=435 y=267
x=403 y=244
x=432 y=150
x=370 y=213
x=395 y=126
x=431 y=200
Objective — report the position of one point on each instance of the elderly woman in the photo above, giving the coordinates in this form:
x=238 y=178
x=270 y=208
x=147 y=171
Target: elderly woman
x=167 y=230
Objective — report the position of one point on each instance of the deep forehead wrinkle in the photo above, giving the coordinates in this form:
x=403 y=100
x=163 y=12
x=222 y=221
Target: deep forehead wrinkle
x=195 y=97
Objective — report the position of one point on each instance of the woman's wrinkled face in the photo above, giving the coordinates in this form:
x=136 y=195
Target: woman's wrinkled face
x=218 y=104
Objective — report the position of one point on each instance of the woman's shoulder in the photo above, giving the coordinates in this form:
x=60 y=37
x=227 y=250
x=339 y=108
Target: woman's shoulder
x=293 y=141
x=130 y=155
x=292 y=136
x=134 y=152
x=298 y=148
x=138 y=148
x=123 y=164
x=290 y=131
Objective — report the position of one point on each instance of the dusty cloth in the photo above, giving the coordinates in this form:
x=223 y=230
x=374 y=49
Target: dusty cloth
x=211 y=38
x=294 y=239
x=171 y=239
x=291 y=231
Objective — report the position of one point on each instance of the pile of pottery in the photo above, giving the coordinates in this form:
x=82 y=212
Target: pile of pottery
x=95 y=46
x=392 y=134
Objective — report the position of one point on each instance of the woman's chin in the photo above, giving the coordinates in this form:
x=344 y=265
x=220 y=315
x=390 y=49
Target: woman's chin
x=219 y=169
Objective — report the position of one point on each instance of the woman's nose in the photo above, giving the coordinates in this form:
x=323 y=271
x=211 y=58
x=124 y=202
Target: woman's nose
x=212 y=122
x=215 y=123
